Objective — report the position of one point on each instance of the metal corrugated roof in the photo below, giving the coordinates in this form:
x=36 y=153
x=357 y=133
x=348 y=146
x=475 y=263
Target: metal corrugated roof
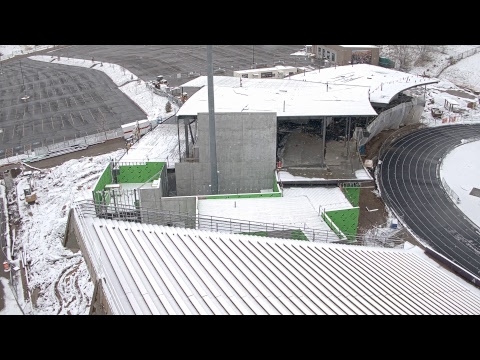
x=151 y=269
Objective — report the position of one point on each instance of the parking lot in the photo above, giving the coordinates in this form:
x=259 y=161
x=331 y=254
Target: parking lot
x=43 y=103
x=175 y=62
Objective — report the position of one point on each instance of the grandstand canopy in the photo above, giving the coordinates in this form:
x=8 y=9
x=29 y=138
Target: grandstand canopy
x=287 y=98
x=152 y=269
x=383 y=83
x=348 y=90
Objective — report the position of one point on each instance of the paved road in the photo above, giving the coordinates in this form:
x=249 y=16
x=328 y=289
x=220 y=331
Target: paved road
x=411 y=187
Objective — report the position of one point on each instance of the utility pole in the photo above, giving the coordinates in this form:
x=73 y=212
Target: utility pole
x=211 y=118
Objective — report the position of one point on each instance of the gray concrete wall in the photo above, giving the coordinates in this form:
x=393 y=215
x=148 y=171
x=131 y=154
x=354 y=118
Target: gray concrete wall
x=163 y=210
x=70 y=238
x=246 y=155
x=192 y=179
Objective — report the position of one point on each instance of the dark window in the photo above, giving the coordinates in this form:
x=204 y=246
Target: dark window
x=244 y=75
x=266 y=75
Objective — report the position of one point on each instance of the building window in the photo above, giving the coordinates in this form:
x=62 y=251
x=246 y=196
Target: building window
x=328 y=55
x=244 y=75
x=333 y=57
x=323 y=52
x=266 y=75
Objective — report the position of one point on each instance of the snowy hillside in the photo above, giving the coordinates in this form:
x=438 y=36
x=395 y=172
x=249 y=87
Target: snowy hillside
x=54 y=268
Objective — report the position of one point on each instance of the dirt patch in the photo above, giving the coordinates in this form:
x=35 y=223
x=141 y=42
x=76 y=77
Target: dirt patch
x=372 y=208
x=462 y=94
x=373 y=212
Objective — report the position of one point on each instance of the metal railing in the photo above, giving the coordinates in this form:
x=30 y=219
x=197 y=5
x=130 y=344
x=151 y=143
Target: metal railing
x=450 y=192
x=454 y=58
x=295 y=231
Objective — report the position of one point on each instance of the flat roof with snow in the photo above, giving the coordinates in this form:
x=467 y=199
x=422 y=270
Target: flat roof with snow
x=382 y=83
x=285 y=97
x=347 y=90
x=275 y=68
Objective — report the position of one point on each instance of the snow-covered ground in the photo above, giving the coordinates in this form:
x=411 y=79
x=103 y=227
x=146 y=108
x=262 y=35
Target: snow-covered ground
x=64 y=291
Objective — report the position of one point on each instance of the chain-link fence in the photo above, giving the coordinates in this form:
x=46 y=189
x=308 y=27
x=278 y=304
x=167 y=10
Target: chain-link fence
x=55 y=149
x=455 y=58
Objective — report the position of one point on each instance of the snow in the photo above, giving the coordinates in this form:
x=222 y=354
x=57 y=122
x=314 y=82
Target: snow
x=461 y=171
x=60 y=275
x=160 y=144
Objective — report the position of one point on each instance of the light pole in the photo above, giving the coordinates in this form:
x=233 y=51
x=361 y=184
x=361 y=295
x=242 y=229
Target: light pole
x=253 y=54
x=25 y=96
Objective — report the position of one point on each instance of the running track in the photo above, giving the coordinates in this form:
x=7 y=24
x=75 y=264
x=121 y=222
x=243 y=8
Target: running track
x=408 y=178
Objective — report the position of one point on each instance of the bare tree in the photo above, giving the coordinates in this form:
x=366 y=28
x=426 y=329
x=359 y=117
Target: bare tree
x=404 y=55
x=424 y=53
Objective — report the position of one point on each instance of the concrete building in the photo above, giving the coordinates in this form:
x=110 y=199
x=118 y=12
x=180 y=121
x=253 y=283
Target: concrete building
x=334 y=105
x=347 y=54
x=246 y=159
x=277 y=72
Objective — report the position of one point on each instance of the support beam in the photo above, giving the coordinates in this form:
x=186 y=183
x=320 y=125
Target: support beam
x=191 y=133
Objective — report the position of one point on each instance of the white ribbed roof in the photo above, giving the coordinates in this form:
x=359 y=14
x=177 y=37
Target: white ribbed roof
x=151 y=269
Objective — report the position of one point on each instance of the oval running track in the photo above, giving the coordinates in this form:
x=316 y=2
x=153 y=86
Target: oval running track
x=410 y=184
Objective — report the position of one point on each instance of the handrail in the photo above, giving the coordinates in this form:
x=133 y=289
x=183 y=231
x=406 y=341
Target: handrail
x=221 y=224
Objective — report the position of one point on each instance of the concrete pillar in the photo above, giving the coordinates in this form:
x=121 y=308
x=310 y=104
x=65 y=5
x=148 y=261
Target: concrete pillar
x=185 y=124
x=324 y=130
x=178 y=137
